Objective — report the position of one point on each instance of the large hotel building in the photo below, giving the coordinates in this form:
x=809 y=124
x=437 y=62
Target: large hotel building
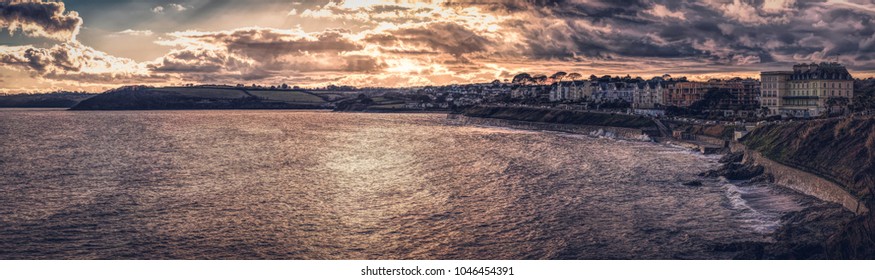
x=806 y=91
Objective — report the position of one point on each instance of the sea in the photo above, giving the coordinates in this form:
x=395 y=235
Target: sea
x=280 y=184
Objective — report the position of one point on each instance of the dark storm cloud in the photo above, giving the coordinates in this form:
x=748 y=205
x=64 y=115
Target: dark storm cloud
x=720 y=32
x=40 y=19
x=439 y=37
x=264 y=43
x=255 y=53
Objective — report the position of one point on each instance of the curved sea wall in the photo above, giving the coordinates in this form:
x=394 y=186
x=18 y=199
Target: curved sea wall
x=804 y=182
x=839 y=150
x=838 y=160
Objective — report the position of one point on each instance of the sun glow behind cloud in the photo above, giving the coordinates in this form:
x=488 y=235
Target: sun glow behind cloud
x=412 y=43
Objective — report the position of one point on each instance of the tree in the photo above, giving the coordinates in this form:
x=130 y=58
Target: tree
x=574 y=76
x=715 y=98
x=522 y=78
x=285 y=86
x=364 y=99
x=558 y=76
x=540 y=79
x=593 y=77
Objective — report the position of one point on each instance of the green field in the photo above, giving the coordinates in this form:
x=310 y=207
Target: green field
x=287 y=96
x=210 y=93
x=388 y=106
x=387 y=101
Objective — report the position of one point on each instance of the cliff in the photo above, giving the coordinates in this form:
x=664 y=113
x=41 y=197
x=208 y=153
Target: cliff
x=544 y=115
x=839 y=150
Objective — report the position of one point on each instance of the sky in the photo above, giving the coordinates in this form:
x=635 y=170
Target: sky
x=97 y=45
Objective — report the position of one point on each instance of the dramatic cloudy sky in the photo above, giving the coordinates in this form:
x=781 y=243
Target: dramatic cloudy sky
x=99 y=44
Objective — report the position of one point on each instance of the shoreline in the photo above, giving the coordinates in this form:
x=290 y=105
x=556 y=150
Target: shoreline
x=801 y=234
x=622 y=133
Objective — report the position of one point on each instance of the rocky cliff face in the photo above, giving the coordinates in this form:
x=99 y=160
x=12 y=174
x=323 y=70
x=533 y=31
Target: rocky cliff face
x=839 y=150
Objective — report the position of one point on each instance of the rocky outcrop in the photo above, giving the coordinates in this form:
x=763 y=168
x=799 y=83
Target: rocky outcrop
x=738 y=171
x=734 y=169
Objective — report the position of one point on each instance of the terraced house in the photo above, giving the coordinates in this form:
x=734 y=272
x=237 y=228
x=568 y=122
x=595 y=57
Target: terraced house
x=647 y=95
x=571 y=90
x=810 y=90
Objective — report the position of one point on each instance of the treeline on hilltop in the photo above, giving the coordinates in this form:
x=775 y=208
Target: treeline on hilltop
x=541 y=79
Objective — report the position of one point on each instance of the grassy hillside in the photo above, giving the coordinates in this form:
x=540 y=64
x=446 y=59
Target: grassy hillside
x=207 y=93
x=287 y=96
x=133 y=98
x=560 y=116
x=842 y=150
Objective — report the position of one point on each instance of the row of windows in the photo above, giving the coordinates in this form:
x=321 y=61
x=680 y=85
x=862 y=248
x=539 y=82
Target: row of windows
x=807 y=85
x=774 y=79
x=803 y=102
x=846 y=93
x=771 y=93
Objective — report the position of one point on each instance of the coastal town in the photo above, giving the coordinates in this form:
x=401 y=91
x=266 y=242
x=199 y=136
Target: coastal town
x=806 y=91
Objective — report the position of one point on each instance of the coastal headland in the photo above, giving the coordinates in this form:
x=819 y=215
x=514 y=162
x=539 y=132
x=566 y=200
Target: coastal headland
x=193 y=98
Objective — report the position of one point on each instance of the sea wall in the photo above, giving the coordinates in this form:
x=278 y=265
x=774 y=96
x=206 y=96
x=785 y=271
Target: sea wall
x=804 y=182
x=592 y=130
x=834 y=154
x=839 y=150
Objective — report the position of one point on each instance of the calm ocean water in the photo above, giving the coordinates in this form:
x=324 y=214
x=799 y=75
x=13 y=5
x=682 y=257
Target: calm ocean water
x=323 y=185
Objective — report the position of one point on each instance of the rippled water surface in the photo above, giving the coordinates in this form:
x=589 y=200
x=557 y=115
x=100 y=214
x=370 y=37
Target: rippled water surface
x=323 y=185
